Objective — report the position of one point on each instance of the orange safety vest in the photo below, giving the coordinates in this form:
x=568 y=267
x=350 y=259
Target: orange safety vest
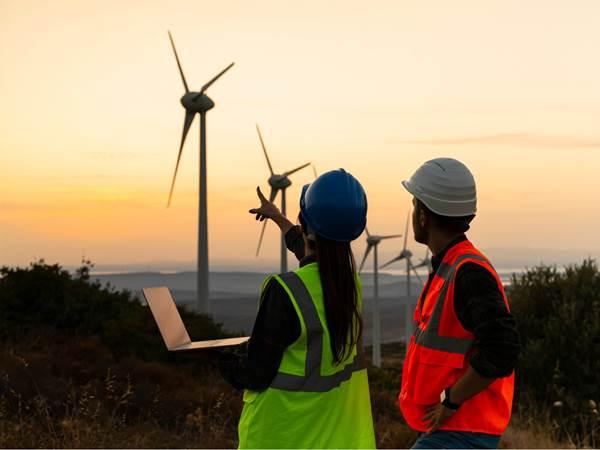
x=439 y=353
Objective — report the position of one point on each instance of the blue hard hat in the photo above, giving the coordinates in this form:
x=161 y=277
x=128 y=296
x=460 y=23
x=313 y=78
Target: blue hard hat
x=334 y=206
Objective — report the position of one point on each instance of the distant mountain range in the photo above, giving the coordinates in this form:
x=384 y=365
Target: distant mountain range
x=504 y=259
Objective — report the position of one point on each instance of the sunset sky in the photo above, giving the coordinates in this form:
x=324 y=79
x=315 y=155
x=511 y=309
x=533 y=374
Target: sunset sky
x=90 y=119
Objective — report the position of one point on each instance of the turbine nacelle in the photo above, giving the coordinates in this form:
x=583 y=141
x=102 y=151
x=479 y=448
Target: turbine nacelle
x=197 y=102
x=406 y=254
x=193 y=102
x=373 y=240
x=279 y=181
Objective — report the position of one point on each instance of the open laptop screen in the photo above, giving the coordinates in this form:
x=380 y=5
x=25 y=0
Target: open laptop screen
x=166 y=316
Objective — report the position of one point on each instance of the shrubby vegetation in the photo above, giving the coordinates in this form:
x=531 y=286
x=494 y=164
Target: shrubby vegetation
x=83 y=365
x=558 y=379
x=47 y=297
x=56 y=392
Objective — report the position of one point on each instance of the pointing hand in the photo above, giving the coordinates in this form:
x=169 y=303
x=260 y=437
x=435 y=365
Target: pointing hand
x=266 y=210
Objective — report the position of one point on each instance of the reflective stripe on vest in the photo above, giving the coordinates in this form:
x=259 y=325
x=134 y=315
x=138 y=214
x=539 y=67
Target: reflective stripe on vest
x=312 y=381
x=430 y=337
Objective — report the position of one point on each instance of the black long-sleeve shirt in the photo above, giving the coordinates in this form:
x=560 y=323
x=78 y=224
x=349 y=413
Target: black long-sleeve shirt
x=479 y=306
x=276 y=327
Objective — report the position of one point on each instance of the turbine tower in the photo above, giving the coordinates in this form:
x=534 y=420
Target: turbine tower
x=197 y=103
x=407 y=255
x=277 y=183
x=373 y=242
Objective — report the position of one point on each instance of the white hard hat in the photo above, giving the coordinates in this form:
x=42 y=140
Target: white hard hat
x=446 y=186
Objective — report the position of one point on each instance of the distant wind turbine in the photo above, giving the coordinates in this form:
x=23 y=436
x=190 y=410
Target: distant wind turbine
x=407 y=255
x=425 y=262
x=278 y=183
x=373 y=242
x=197 y=103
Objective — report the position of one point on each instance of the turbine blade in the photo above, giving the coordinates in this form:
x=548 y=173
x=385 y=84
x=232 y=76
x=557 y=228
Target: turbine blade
x=187 y=123
x=397 y=258
x=367 y=230
x=415 y=271
x=425 y=261
x=367 y=251
x=289 y=172
x=260 y=239
x=178 y=63
x=406 y=230
x=273 y=194
x=264 y=149
x=315 y=171
x=207 y=85
x=392 y=236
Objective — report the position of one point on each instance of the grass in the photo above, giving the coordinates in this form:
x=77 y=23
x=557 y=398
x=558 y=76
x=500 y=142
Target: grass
x=75 y=394
x=392 y=431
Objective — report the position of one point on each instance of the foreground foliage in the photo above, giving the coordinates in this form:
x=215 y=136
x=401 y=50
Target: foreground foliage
x=558 y=315
x=83 y=365
x=46 y=297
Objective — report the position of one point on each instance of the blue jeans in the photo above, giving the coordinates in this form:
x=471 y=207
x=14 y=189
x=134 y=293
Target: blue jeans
x=457 y=439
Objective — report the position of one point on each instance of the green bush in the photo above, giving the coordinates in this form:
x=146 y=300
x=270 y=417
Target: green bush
x=84 y=365
x=47 y=297
x=558 y=315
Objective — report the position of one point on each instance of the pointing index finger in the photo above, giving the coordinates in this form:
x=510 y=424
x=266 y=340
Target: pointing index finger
x=262 y=198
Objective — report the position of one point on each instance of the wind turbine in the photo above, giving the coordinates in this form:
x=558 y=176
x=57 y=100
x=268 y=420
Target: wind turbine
x=277 y=183
x=372 y=242
x=314 y=168
x=197 y=103
x=407 y=255
x=425 y=262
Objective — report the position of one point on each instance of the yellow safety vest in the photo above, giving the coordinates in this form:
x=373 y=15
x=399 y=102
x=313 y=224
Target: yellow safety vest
x=311 y=403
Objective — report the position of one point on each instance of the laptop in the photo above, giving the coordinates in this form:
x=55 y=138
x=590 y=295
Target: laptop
x=171 y=326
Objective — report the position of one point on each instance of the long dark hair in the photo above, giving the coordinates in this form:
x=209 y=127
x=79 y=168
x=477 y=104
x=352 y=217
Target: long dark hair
x=337 y=270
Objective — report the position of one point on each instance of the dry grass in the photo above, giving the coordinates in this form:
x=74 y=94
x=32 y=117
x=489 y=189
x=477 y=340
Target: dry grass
x=392 y=432
x=517 y=436
x=76 y=395
x=544 y=431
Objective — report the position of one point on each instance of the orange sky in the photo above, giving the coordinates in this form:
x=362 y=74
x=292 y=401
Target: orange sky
x=90 y=119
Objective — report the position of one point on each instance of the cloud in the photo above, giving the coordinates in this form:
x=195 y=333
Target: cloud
x=535 y=141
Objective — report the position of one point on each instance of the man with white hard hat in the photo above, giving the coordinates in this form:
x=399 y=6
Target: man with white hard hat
x=458 y=375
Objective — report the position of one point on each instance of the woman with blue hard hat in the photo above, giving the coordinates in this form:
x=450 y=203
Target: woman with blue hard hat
x=304 y=380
